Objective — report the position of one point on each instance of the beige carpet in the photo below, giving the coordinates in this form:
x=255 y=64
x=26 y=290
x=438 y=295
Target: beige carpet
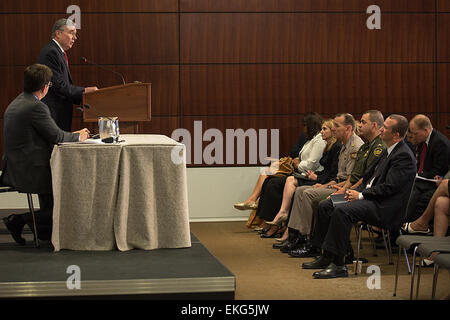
x=264 y=273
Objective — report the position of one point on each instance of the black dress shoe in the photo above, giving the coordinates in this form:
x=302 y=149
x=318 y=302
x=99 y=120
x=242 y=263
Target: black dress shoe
x=296 y=244
x=281 y=244
x=305 y=252
x=15 y=228
x=331 y=271
x=320 y=263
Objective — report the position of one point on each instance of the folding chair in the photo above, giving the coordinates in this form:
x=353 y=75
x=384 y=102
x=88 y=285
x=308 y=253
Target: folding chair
x=4 y=189
x=386 y=237
x=441 y=260
x=441 y=245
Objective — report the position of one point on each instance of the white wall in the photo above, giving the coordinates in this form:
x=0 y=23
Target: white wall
x=211 y=193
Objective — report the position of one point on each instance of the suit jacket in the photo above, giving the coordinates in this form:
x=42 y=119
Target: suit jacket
x=29 y=136
x=437 y=158
x=63 y=94
x=394 y=177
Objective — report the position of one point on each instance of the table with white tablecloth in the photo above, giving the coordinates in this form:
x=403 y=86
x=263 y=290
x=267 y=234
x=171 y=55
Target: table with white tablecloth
x=126 y=195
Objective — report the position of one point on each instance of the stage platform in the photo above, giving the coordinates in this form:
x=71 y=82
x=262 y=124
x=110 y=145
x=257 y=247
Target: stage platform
x=27 y=272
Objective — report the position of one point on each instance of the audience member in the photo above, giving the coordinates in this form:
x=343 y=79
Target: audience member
x=309 y=159
x=433 y=160
x=329 y=162
x=380 y=200
x=343 y=130
x=368 y=154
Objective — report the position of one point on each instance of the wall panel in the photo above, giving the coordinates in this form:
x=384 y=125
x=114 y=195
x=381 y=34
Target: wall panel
x=444 y=98
x=164 y=81
x=60 y=6
x=443 y=5
x=124 y=38
x=443 y=43
x=283 y=89
x=246 y=64
x=302 y=37
x=304 y=5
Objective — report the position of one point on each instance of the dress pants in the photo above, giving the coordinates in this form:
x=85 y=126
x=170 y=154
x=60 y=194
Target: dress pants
x=333 y=225
x=44 y=217
x=420 y=197
x=306 y=200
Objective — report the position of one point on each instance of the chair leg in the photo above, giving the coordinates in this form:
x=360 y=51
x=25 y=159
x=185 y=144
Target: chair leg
x=358 y=247
x=386 y=245
x=389 y=247
x=30 y=205
x=435 y=277
x=419 y=272
x=412 y=273
x=407 y=260
x=372 y=241
x=396 y=271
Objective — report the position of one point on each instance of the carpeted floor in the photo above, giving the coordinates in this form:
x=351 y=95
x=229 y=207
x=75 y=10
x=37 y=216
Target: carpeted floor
x=264 y=273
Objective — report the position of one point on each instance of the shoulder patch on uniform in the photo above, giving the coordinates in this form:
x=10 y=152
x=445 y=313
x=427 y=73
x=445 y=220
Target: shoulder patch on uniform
x=377 y=151
x=353 y=155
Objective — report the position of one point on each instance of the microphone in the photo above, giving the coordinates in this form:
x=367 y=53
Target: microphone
x=83 y=59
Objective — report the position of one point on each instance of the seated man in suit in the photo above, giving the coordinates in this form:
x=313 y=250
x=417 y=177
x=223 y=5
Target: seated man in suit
x=433 y=157
x=380 y=200
x=29 y=134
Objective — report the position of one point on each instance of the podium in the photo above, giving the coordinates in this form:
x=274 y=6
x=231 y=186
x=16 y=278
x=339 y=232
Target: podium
x=129 y=102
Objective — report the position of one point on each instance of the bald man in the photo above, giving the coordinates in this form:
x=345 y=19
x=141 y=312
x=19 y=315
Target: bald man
x=433 y=159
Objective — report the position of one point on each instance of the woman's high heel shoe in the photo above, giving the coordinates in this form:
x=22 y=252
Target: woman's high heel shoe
x=273 y=232
x=279 y=221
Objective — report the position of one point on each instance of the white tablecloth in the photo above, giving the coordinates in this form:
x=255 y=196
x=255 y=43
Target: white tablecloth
x=127 y=195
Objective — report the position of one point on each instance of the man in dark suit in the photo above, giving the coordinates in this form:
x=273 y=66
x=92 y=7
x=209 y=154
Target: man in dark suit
x=29 y=136
x=433 y=160
x=380 y=200
x=63 y=94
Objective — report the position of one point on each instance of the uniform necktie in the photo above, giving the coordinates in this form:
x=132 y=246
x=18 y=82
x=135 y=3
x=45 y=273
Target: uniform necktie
x=423 y=154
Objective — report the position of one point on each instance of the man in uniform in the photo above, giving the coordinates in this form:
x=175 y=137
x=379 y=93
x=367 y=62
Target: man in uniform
x=369 y=153
x=379 y=200
x=305 y=197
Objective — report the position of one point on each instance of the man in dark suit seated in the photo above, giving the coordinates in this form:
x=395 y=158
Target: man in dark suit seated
x=433 y=157
x=29 y=136
x=63 y=94
x=380 y=200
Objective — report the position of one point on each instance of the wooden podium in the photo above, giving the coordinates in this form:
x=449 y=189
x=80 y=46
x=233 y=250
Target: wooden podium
x=129 y=102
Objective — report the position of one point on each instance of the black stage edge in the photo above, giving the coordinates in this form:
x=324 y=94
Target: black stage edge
x=192 y=273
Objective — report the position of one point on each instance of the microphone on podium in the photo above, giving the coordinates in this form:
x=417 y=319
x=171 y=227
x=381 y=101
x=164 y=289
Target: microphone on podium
x=85 y=60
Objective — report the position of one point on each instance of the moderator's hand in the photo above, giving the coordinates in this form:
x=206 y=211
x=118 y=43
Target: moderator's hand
x=84 y=134
x=90 y=89
x=352 y=195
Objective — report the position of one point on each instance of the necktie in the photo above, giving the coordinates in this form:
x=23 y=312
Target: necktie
x=67 y=59
x=423 y=154
x=377 y=169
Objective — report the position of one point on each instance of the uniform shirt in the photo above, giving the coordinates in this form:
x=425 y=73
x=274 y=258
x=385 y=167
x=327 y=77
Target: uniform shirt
x=367 y=155
x=347 y=157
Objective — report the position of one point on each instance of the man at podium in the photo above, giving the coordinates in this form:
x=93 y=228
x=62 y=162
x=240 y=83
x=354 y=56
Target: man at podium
x=29 y=136
x=63 y=94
